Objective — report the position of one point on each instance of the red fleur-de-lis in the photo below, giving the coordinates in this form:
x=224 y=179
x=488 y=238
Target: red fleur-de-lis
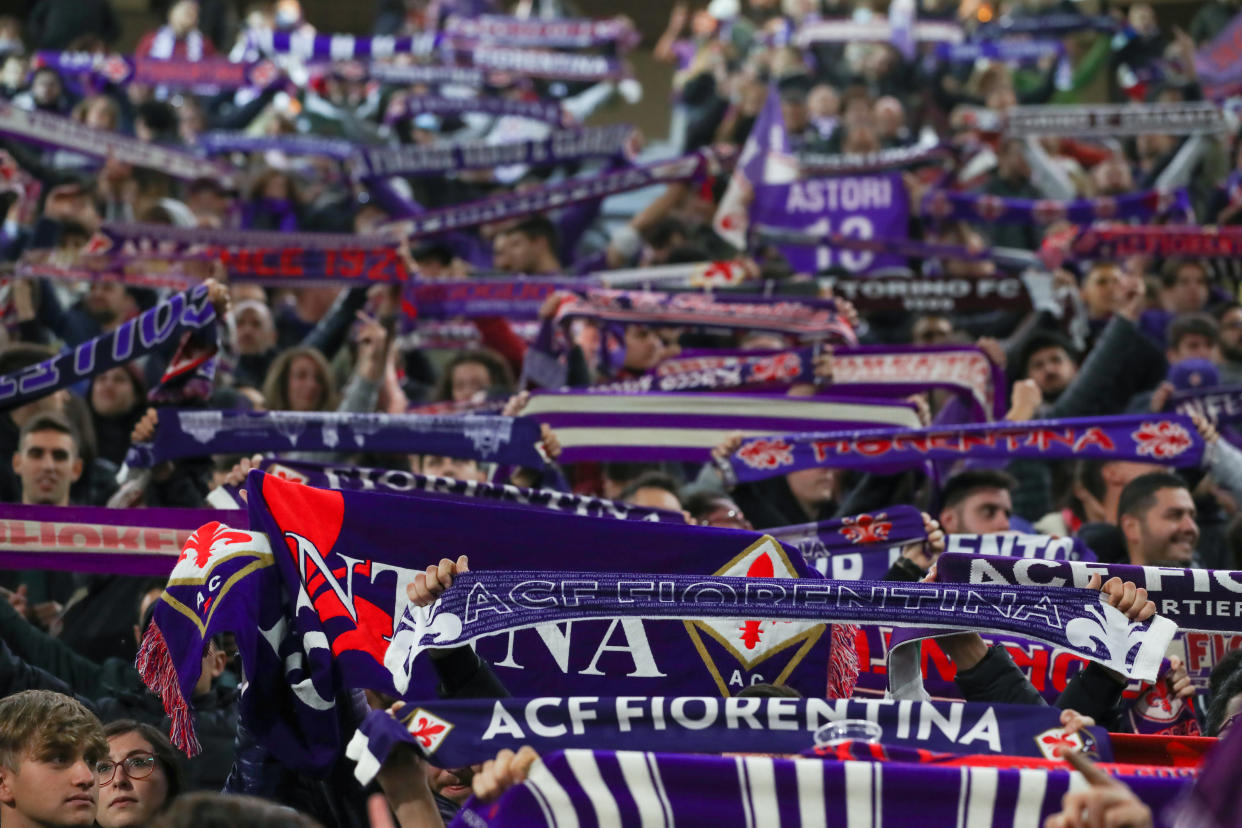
x=866 y=528
x=1162 y=440
x=425 y=732
x=204 y=540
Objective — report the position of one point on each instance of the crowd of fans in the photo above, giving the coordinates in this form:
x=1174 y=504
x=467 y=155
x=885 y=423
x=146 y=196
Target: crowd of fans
x=1114 y=336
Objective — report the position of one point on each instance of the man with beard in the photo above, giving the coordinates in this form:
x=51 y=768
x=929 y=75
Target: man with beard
x=1050 y=360
x=1156 y=513
x=1229 y=316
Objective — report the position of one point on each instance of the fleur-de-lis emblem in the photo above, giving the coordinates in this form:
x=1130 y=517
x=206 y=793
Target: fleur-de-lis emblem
x=207 y=539
x=1047 y=211
x=766 y=453
x=1105 y=207
x=866 y=528
x=1106 y=628
x=428 y=729
x=778 y=368
x=425 y=732
x=990 y=207
x=1162 y=440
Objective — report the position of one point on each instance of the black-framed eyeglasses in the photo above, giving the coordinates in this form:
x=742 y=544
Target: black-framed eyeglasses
x=138 y=766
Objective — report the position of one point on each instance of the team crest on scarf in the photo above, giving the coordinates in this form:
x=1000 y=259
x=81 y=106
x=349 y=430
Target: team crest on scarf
x=1055 y=741
x=214 y=558
x=766 y=453
x=1162 y=440
x=866 y=528
x=753 y=641
x=429 y=729
x=778 y=368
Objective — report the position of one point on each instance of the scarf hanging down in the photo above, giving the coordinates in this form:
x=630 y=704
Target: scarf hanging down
x=401 y=482
x=687 y=426
x=559 y=147
x=599 y=787
x=457 y=733
x=493 y=439
x=485 y=603
x=1170 y=439
x=554 y=196
x=182 y=313
x=54 y=132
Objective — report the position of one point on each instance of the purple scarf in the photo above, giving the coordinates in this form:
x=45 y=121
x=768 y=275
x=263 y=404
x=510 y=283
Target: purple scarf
x=181 y=434
x=343 y=559
x=855 y=163
x=1170 y=439
x=485 y=603
x=1216 y=405
x=538 y=63
x=439 y=159
x=1103 y=120
x=417 y=73
x=142 y=542
x=181 y=313
x=600 y=787
x=795 y=316
x=1006 y=257
x=456 y=733
x=547 y=34
x=554 y=196
x=343 y=47
x=209 y=74
x=401 y=482
x=408 y=107
x=54 y=132
x=1159 y=241
x=220 y=143
x=134 y=239
x=686 y=426
x=946 y=205
x=920 y=294
x=1005 y=51
x=861 y=547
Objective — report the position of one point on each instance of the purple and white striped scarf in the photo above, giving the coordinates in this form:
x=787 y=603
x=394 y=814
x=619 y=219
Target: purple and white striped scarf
x=438 y=159
x=312 y=47
x=402 y=482
x=461 y=732
x=416 y=73
x=846 y=31
x=555 y=196
x=412 y=105
x=180 y=313
x=485 y=603
x=547 y=34
x=52 y=131
x=1169 y=439
x=599 y=787
x=947 y=205
x=181 y=434
x=1107 y=120
x=686 y=426
x=853 y=163
x=538 y=63
x=803 y=317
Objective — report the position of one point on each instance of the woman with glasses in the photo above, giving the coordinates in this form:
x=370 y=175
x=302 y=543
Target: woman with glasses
x=138 y=778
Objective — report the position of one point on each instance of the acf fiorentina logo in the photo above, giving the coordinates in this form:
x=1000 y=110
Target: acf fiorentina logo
x=756 y=640
x=115 y=68
x=1054 y=742
x=1157 y=705
x=286 y=473
x=778 y=368
x=866 y=529
x=263 y=73
x=1162 y=440
x=428 y=729
x=201 y=578
x=766 y=453
x=990 y=207
x=1105 y=207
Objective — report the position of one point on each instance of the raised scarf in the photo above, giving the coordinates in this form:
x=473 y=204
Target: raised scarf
x=686 y=426
x=946 y=205
x=413 y=105
x=460 y=732
x=1169 y=439
x=564 y=33
x=180 y=313
x=55 y=132
x=1106 y=120
x=494 y=439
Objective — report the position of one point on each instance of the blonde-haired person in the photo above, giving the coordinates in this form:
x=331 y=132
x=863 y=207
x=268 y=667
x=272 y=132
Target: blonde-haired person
x=49 y=747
